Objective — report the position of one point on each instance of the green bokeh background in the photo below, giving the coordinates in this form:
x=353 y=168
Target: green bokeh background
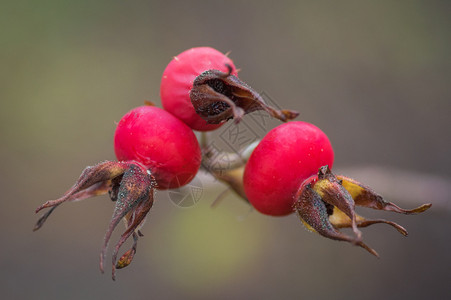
x=374 y=75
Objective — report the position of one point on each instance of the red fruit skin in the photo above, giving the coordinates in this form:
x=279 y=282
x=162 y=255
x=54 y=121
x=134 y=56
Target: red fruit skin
x=286 y=156
x=178 y=78
x=161 y=142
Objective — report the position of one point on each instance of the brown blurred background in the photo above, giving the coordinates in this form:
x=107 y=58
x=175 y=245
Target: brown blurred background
x=374 y=75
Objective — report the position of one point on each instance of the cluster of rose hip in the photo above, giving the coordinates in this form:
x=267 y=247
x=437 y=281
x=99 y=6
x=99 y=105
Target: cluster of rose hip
x=288 y=171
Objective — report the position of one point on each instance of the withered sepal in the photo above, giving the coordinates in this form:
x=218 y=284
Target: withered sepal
x=131 y=187
x=218 y=96
x=326 y=202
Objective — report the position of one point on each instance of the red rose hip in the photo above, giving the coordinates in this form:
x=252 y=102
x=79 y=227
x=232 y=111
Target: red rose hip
x=155 y=150
x=178 y=78
x=290 y=170
x=286 y=156
x=200 y=86
x=161 y=142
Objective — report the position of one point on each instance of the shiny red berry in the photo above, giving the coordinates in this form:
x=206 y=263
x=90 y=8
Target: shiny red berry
x=161 y=142
x=178 y=78
x=286 y=156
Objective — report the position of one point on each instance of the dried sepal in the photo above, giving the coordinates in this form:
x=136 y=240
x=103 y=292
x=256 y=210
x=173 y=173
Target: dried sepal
x=326 y=203
x=329 y=188
x=129 y=184
x=91 y=175
x=365 y=196
x=128 y=256
x=218 y=96
x=134 y=220
x=136 y=186
x=313 y=211
x=340 y=220
x=97 y=189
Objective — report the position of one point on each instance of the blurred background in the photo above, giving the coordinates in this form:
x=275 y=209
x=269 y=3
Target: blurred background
x=374 y=75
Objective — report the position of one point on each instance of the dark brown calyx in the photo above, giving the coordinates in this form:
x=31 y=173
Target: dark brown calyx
x=218 y=97
x=130 y=185
x=325 y=203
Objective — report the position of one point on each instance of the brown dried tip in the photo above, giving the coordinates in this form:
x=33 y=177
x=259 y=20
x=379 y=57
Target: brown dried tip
x=326 y=203
x=218 y=97
x=129 y=184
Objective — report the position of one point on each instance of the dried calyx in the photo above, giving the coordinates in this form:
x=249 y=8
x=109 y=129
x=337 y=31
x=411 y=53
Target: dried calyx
x=218 y=97
x=130 y=185
x=326 y=202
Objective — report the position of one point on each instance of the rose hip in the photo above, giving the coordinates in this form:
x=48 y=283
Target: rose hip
x=286 y=156
x=161 y=142
x=155 y=150
x=200 y=86
x=178 y=78
x=290 y=170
